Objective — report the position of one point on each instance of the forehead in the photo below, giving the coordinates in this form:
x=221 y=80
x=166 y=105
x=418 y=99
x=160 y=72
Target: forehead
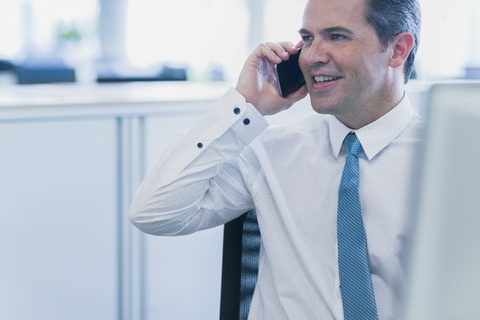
x=327 y=13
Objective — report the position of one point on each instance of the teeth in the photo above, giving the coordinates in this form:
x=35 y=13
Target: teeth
x=319 y=79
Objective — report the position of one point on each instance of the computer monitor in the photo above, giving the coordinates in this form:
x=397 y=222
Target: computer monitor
x=445 y=261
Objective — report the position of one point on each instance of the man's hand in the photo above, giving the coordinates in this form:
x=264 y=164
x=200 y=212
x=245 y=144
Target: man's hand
x=258 y=82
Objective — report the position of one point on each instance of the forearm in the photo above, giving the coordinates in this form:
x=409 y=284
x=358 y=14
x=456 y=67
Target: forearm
x=196 y=183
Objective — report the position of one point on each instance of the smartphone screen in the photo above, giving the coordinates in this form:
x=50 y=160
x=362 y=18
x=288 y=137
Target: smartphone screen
x=289 y=76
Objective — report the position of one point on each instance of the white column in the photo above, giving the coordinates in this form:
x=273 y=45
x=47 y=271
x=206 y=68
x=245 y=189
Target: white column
x=112 y=27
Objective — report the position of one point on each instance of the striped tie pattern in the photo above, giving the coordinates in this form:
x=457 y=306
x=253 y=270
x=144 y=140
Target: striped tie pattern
x=355 y=279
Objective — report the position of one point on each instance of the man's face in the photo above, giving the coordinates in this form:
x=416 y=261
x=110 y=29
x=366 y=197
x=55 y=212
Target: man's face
x=342 y=60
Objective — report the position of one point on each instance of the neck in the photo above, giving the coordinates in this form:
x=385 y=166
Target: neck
x=385 y=100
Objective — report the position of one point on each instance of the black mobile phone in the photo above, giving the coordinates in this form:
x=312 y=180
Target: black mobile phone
x=289 y=76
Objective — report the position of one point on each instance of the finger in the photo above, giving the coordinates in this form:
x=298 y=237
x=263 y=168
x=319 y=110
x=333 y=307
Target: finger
x=289 y=47
x=265 y=51
x=281 y=49
x=299 y=44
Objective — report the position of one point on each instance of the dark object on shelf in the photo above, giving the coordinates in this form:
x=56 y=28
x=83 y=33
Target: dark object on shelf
x=472 y=73
x=44 y=71
x=167 y=74
x=6 y=65
x=7 y=73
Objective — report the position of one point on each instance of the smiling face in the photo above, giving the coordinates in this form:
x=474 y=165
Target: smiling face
x=345 y=66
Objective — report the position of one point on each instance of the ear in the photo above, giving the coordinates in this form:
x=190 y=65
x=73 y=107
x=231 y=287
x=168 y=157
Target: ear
x=401 y=45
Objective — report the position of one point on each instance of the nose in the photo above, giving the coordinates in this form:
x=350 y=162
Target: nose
x=315 y=52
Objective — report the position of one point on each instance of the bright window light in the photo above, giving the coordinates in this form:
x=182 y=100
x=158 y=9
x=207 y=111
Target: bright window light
x=10 y=28
x=48 y=22
x=283 y=19
x=213 y=35
x=201 y=34
x=450 y=38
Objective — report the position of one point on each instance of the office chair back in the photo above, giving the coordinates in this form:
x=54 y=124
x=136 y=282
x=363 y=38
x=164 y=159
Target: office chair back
x=241 y=247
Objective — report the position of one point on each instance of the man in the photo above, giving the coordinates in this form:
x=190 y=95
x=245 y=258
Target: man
x=334 y=216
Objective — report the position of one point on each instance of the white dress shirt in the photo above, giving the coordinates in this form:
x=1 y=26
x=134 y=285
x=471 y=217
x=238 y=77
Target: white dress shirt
x=229 y=163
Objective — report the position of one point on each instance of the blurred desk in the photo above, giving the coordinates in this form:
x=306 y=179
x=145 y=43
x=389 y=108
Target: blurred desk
x=71 y=159
x=107 y=99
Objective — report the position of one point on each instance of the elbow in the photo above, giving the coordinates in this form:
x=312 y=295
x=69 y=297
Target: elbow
x=148 y=222
x=158 y=221
x=137 y=216
x=144 y=217
x=134 y=216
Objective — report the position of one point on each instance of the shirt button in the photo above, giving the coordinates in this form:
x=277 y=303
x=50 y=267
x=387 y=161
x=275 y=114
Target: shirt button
x=200 y=145
x=246 y=121
x=236 y=110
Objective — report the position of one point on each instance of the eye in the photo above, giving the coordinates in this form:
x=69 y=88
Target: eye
x=337 y=37
x=307 y=39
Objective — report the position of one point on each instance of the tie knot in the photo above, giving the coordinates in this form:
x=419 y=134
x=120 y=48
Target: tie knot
x=352 y=144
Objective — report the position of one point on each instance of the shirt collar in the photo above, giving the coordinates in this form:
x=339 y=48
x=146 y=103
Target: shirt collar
x=378 y=134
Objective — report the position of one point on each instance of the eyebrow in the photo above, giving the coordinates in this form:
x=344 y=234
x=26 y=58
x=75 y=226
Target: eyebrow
x=328 y=30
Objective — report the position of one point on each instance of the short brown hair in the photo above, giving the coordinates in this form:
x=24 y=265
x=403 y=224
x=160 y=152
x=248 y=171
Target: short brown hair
x=392 y=17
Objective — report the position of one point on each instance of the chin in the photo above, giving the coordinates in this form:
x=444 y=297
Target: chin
x=323 y=107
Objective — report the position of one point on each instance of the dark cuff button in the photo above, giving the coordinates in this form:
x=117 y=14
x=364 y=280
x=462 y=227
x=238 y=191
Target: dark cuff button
x=236 y=110
x=200 y=145
x=246 y=121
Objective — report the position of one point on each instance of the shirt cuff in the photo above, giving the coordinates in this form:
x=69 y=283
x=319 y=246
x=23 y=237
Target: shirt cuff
x=244 y=118
x=229 y=126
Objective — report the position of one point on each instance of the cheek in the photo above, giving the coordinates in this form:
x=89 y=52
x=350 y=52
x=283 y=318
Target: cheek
x=368 y=66
x=377 y=66
x=301 y=62
x=305 y=69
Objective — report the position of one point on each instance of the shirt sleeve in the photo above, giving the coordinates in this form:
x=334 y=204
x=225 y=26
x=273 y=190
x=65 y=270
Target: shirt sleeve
x=198 y=183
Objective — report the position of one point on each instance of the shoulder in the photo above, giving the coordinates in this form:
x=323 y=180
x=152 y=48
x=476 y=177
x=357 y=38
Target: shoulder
x=298 y=138
x=304 y=127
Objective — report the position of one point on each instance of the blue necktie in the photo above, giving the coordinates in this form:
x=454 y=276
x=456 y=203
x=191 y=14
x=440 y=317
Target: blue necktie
x=355 y=279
